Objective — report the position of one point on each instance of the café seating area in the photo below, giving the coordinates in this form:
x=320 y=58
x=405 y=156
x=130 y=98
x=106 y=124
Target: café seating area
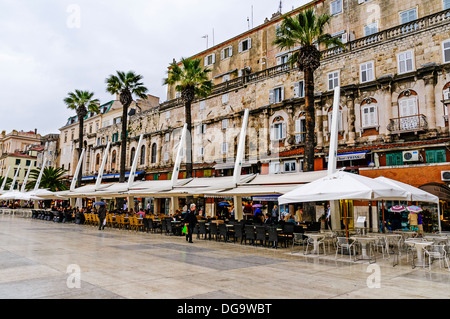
x=307 y=239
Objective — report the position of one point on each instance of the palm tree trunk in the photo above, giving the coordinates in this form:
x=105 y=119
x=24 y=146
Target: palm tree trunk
x=310 y=119
x=123 y=144
x=309 y=210
x=189 y=161
x=80 y=147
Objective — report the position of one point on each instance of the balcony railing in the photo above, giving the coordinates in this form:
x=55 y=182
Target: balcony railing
x=413 y=123
x=392 y=33
x=361 y=43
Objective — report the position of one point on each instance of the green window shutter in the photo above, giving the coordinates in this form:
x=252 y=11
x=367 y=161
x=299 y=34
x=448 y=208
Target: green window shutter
x=436 y=156
x=431 y=156
x=394 y=159
x=440 y=156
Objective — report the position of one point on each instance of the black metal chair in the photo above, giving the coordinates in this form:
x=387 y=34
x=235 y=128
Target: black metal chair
x=202 y=230
x=223 y=232
x=238 y=232
x=213 y=231
x=260 y=234
x=250 y=234
x=274 y=237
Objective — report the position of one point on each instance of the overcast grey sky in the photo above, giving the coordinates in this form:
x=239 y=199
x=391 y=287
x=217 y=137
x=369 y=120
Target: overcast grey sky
x=51 y=47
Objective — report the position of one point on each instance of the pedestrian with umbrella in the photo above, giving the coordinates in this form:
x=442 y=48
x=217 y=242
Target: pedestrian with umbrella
x=413 y=218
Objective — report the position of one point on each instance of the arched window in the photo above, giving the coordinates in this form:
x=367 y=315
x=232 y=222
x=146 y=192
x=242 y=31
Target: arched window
x=408 y=110
x=154 y=150
x=369 y=113
x=278 y=129
x=132 y=154
x=143 y=155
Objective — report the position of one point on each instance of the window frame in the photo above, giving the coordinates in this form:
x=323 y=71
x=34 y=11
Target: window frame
x=364 y=124
x=229 y=50
x=413 y=62
x=372 y=63
x=290 y=163
x=338 y=79
x=340 y=9
x=406 y=11
x=445 y=49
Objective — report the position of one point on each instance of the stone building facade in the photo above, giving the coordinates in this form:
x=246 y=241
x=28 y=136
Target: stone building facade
x=394 y=74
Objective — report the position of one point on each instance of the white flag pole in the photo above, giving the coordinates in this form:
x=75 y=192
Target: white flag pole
x=6 y=177
x=15 y=178
x=241 y=149
x=135 y=161
x=77 y=171
x=176 y=168
x=26 y=179
x=102 y=168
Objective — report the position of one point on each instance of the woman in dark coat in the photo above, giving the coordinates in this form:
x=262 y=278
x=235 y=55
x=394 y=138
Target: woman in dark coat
x=191 y=220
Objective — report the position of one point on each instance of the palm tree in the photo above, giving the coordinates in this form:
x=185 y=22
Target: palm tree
x=126 y=85
x=52 y=179
x=8 y=182
x=191 y=80
x=306 y=31
x=82 y=102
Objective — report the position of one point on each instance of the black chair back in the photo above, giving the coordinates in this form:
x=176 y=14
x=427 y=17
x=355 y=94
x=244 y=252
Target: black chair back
x=250 y=232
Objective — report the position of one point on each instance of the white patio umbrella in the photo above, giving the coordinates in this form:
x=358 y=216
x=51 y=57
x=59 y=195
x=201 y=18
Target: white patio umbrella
x=415 y=194
x=343 y=185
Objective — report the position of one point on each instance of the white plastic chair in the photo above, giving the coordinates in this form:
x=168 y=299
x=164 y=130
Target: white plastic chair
x=310 y=242
x=345 y=243
x=438 y=252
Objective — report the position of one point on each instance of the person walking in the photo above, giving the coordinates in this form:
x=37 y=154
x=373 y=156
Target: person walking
x=101 y=217
x=191 y=220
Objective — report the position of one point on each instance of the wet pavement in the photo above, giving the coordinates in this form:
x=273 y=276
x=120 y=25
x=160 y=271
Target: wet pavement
x=46 y=260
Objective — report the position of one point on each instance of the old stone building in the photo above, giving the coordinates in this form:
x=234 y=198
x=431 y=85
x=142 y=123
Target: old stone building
x=394 y=74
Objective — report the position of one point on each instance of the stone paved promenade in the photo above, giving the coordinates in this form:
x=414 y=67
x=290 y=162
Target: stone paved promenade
x=36 y=255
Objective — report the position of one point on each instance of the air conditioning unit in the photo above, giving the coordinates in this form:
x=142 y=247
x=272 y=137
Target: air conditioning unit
x=344 y=38
x=411 y=156
x=447 y=94
x=445 y=176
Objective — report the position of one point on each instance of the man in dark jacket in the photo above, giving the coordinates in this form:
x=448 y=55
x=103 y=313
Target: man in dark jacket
x=101 y=217
x=191 y=220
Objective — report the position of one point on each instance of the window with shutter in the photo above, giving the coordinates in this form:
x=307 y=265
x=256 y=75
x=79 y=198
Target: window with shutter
x=369 y=115
x=367 y=72
x=435 y=156
x=405 y=62
x=394 y=159
x=299 y=89
x=333 y=80
x=446 y=50
x=336 y=7
x=408 y=15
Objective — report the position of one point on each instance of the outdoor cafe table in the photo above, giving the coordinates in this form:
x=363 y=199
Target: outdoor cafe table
x=315 y=237
x=419 y=244
x=365 y=242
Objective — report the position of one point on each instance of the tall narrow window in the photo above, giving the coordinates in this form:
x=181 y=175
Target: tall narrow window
x=367 y=72
x=333 y=80
x=405 y=62
x=143 y=155
x=369 y=115
x=300 y=130
x=446 y=51
x=132 y=153
x=154 y=152
x=299 y=89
